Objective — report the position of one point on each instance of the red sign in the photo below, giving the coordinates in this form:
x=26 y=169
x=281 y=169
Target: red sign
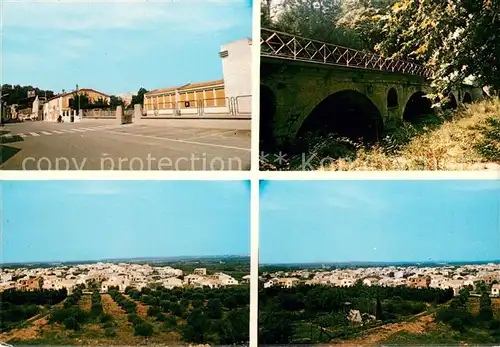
x=186 y=104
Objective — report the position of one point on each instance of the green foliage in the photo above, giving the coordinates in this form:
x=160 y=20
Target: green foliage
x=489 y=147
x=72 y=317
x=71 y=323
x=96 y=306
x=153 y=311
x=485 y=310
x=127 y=305
x=143 y=329
x=455 y=39
x=214 y=309
x=109 y=332
x=134 y=318
x=197 y=326
x=319 y=313
x=16 y=94
x=32 y=297
x=139 y=97
x=115 y=101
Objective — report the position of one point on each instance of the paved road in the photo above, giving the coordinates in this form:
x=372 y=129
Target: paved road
x=104 y=145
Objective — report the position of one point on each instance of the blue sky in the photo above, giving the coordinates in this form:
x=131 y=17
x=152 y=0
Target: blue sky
x=118 y=46
x=87 y=220
x=386 y=221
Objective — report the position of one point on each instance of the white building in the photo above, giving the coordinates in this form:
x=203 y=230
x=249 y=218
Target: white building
x=237 y=69
x=495 y=290
x=172 y=282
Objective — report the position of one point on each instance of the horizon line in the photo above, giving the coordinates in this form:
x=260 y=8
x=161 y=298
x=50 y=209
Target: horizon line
x=180 y=257
x=381 y=262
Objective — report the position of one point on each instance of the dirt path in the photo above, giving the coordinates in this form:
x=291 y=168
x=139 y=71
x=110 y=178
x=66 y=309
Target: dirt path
x=29 y=333
x=109 y=306
x=142 y=310
x=373 y=336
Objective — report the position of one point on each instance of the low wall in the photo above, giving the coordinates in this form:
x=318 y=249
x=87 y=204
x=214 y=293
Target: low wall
x=208 y=123
x=99 y=113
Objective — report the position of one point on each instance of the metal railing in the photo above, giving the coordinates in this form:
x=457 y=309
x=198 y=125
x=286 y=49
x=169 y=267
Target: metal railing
x=275 y=44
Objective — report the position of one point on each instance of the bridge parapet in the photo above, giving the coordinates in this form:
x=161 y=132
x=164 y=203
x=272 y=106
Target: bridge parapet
x=279 y=45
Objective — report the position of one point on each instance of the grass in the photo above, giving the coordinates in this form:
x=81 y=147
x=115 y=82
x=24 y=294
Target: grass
x=442 y=335
x=464 y=139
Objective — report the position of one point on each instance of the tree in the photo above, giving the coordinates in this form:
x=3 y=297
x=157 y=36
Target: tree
x=71 y=323
x=143 y=329
x=115 y=101
x=458 y=40
x=197 y=327
x=139 y=97
x=80 y=101
x=316 y=19
x=378 y=312
x=276 y=328
x=214 y=309
x=485 y=310
x=100 y=103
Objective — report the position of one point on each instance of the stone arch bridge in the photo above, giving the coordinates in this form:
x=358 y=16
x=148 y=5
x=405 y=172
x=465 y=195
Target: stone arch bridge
x=309 y=85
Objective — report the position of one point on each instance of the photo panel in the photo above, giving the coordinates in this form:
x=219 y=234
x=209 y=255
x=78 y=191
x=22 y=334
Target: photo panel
x=130 y=85
x=387 y=262
x=125 y=263
x=378 y=86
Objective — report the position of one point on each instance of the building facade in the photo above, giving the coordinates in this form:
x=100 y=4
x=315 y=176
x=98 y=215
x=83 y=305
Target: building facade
x=230 y=95
x=61 y=105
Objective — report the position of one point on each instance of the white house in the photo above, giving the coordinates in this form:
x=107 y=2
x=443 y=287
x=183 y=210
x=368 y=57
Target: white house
x=495 y=290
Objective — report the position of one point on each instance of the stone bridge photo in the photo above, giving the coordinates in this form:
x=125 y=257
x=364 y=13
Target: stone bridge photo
x=308 y=85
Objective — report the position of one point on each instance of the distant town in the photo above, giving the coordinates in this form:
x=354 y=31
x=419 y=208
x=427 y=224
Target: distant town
x=412 y=276
x=109 y=275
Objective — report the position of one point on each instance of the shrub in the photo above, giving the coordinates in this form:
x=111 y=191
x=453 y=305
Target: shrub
x=134 y=318
x=160 y=317
x=105 y=317
x=71 y=323
x=143 y=329
x=153 y=311
x=109 y=332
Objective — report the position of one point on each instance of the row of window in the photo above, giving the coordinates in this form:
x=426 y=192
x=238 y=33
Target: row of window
x=208 y=97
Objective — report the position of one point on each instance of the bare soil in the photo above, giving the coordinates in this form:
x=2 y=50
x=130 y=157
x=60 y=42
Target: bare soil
x=31 y=332
x=373 y=336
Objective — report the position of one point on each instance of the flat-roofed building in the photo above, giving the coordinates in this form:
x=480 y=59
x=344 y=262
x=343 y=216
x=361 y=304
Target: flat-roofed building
x=230 y=95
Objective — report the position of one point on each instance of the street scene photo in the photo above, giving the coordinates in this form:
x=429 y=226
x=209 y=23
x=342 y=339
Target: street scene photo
x=126 y=86
x=125 y=263
x=379 y=85
x=379 y=263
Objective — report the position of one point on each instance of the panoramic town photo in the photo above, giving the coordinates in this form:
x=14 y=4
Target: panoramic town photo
x=108 y=85
x=379 y=263
x=125 y=263
x=379 y=85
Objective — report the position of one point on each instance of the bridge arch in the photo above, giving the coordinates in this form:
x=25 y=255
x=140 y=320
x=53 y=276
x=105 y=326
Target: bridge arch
x=451 y=103
x=467 y=98
x=417 y=107
x=392 y=98
x=348 y=113
x=267 y=113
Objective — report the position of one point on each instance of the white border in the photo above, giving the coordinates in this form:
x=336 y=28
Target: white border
x=41 y=175
x=254 y=175
x=380 y=175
